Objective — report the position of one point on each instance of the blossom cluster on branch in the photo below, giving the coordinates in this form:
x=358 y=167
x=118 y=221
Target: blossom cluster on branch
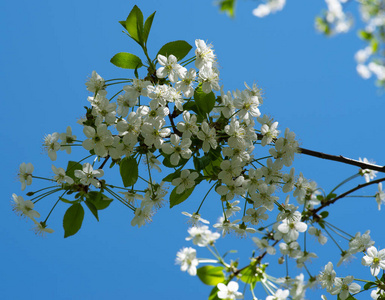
x=182 y=123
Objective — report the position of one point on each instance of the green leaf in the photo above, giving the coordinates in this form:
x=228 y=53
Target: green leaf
x=249 y=275
x=73 y=219
x=230 y=251
x=172 y=176
x=71 y=167
x=178 y=48
x=123 y=23
x=213 y=167
x=99 y=200
x=134 y=24
x=176 y=199
x=215 y=153
x=191 y=106
x=227 y=6
x=126 y=60
x=93 y=209
x=367 y=36
x=68 y=201
x=369 y=285
x=129 y=171
x=321 y=224
x=214 y=294
x=350 y=297
x=324 y=214
x=205 y=102
x=167 y=162
x=322 y=25
x=211 y=275
x=147 y=27
x=374 y=44
x=201 y=162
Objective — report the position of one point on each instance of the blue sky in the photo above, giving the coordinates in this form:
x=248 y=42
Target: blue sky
x=49 y=48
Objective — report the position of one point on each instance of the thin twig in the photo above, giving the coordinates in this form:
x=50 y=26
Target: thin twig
x=338 y=158
x=360 y=186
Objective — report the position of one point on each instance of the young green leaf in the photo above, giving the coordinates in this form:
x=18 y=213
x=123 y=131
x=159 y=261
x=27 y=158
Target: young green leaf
x=99 y=200
x=249 y=275
x=374 y=43
x=201 y=162
x=178 y=48
x=350 y=297
x=211 y=275
x=227 y=6
x=369 y=285
x=93 y=209
x=71 y=167
x=73 y=219
x=367 y=36
x=214 y=294
x=134 y=25
x=213 y=167
x=167 y=162
x=68 y=201
x=171 y=177
x=123 y=23
x=205 y=102
x=147 y=27
x=190 y=106
x=126 y=61
x=129 y=171
x=176 y=199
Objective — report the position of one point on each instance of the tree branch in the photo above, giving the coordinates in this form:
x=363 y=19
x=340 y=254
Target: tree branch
x=338 y=158
x=360 y=186
x=342 y=159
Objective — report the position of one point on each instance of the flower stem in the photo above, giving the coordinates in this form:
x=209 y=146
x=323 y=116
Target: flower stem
x=345 y=181
x=205 y=198
x=54 y=206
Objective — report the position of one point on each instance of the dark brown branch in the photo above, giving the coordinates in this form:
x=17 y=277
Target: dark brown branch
x=104 y=162
x=171 y=117
x=338 y=158
x=360 y=186
x=342 y=159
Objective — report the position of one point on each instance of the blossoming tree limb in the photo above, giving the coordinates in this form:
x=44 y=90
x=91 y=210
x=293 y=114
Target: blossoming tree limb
x=182 y=123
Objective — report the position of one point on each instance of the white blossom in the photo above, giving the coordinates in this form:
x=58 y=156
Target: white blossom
x=185 y=181
x=208 y=136
x=327 y=277
x=375 y=259
x=187 y=260
x=87 y=175
x=345 y=286
x=52 y=145
x=202 y=236
x=170 y=67
x=177 y=149
x=25 y=175
x=61 y=176
x=229 y=291
x=380 y=196
x=23 y=207
x=95 y=83
x=66 y=140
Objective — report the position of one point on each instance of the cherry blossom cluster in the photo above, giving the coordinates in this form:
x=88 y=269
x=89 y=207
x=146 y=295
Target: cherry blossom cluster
x=181 y=122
